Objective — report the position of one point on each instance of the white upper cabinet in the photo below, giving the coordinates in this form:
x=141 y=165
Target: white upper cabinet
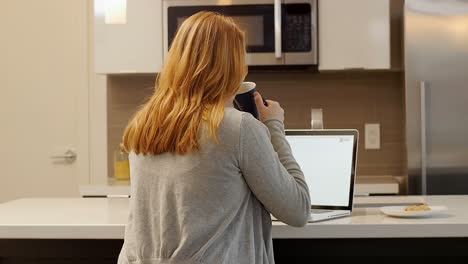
x=354 y=34
x=128 y=36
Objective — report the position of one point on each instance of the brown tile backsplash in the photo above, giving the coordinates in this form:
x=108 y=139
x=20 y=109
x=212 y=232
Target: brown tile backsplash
x=348 y=99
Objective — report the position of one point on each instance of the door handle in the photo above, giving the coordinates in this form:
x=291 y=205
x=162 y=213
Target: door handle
x=422 y=87
x=277 y=12
x=69 y=156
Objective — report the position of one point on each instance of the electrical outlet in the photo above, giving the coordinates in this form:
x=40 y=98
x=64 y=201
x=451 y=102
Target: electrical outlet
x=372 y=136
x=316 y=118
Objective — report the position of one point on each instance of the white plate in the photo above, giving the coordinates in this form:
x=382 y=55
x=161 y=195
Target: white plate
x=399 y=211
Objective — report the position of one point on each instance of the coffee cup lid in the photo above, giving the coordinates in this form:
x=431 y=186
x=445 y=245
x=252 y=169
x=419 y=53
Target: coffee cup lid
x=245 y=87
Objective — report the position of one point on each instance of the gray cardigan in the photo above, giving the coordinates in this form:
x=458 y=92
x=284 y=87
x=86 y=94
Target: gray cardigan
x=214 y=205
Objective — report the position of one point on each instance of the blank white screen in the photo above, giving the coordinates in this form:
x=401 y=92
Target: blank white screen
x=326 y=161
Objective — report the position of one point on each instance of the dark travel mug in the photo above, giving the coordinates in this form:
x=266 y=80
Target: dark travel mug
x=244 y=100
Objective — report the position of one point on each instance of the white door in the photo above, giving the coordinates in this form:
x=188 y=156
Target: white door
x=43 y=101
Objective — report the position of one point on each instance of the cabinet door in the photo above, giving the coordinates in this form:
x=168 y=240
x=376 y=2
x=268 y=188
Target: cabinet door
x=354 y=34
x=128 y=36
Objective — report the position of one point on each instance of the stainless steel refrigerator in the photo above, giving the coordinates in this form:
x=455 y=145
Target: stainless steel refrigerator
x=436 y=76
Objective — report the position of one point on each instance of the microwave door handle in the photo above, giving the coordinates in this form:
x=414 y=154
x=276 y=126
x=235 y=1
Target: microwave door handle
x=278 y=48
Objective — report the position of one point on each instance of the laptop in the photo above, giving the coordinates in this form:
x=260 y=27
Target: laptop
x=328 y=160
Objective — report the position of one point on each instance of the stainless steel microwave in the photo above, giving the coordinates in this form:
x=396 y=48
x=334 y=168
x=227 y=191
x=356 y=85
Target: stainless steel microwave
x=278 y=32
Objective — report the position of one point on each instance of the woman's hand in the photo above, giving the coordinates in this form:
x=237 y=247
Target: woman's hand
x=272 y=111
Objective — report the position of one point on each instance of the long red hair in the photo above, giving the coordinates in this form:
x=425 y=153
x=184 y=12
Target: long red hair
x=204 y=68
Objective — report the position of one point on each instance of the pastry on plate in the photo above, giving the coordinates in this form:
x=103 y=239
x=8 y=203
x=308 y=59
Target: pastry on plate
x=421 y=207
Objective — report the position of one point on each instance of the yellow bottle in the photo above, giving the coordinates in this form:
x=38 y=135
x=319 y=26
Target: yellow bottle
x=121 y=164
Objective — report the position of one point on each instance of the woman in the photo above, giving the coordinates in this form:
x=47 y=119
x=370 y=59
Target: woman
x=205 y=177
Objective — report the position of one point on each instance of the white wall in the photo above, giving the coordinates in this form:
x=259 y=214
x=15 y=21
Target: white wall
x=98 y=112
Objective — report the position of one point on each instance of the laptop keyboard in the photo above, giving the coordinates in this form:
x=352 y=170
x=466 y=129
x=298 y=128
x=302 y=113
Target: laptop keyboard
x=319 y=211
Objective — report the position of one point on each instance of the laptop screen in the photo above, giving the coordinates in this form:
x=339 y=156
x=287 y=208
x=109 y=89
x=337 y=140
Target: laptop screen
x=327 y=164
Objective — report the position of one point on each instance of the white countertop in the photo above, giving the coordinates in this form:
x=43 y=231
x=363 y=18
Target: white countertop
x=105 y=218
x=364 y=185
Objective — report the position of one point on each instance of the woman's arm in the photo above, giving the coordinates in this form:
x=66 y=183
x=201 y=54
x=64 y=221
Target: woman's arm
x=271 y=171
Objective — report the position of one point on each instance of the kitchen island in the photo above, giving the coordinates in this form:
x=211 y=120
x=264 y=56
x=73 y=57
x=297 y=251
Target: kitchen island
x=94 y=228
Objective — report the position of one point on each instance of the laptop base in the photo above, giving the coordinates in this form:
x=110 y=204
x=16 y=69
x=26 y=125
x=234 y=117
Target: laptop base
x=315 y=217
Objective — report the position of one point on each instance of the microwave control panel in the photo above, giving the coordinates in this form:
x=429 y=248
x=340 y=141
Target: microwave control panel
x=297 y=29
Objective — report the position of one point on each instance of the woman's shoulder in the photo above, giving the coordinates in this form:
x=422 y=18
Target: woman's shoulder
x=233 y=116
x=235 y=120
x=232 y=120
